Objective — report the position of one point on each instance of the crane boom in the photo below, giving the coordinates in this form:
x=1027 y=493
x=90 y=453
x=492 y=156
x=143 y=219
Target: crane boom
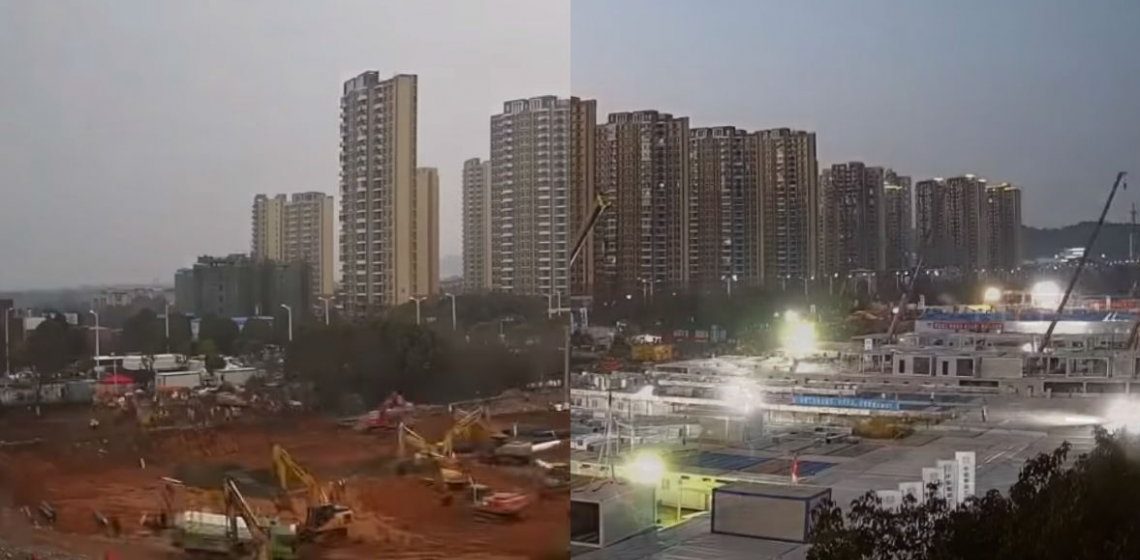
x=1084 y=258
x=599 y=207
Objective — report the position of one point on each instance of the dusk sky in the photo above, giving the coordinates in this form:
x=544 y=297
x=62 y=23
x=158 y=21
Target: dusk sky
x=134 y=134
x=1044 y=94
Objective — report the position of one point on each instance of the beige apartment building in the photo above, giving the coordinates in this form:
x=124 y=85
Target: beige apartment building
x=297 y=228
x=425 y=233
x=378 y=238
x=476 y=226
x=534 y=172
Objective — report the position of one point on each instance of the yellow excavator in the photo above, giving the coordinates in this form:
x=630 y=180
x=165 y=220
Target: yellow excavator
x=325 y=515
x=271 y=541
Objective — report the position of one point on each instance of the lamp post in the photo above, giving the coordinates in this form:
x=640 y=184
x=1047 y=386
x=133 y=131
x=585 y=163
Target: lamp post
x=728 y=280
x=326 y=302
x=96 y=331
x=166 y=324
x=417 y=300
x=289 y=313
x=453 y=322
x=7 y=348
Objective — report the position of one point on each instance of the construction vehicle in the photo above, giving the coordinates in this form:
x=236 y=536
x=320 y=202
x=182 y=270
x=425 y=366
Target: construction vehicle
x=387 y=416
x=269 y=540
x=471 y=428
x=325 y=517
x=442 y=469
x=502 y=506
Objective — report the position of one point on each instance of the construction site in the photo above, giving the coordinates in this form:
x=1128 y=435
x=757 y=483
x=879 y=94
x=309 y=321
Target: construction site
x=195 y=475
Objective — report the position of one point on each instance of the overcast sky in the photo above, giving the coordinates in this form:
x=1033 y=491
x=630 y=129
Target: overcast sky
x=1041 y=93
x=134 y=134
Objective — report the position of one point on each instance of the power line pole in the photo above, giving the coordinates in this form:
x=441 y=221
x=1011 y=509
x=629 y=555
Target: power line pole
x=1132 y=234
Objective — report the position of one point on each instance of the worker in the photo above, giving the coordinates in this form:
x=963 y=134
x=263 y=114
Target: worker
x=94 y=423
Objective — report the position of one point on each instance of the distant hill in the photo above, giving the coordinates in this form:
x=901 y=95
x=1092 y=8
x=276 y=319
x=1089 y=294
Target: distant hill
x=1046 y=242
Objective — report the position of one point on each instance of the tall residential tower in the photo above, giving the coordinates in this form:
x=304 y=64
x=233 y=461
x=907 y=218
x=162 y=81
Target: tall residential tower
x=377 y=185
x=476 y=226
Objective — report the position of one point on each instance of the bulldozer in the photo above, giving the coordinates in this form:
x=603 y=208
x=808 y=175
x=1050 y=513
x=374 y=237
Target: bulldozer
x=325 y=516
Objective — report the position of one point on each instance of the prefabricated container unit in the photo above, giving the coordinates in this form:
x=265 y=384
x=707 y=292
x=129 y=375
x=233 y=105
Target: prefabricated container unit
x=768 y=511
x=235 y=376
x=186 y=379
x=203 y=531
x=610 y=511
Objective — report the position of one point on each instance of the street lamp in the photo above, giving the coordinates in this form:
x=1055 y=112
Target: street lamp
x=453 y=323
x=728 y=280
x=326 y=300
x=289 y=313
x=417 y=300
x=96 y=331
x=166 y=324
x=992 y=295
x=7 y=349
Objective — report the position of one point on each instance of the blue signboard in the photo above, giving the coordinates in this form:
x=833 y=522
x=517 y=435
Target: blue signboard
x=844 y=402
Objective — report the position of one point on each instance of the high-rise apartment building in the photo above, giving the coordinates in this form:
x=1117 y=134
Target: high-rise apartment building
x=425 y=233
x=1003 y=214
x=723 y=195
x=853 y=220
x=643 y=168
x=788 y=219
x=297 y=228
x=476 y=226
x=898 y=227
x=533 y=166
x=952 y=223
x=267 y=227
x=378 y=185
x=583 y=191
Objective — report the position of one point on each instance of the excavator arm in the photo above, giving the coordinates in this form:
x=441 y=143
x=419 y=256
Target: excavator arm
x=237 y=507
x=286 y=469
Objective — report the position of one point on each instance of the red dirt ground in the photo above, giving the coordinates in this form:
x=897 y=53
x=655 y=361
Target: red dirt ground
x=80 y=471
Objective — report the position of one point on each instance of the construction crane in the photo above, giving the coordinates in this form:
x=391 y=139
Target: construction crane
x=268 y=543
x=325 y=516
x=909 y=291
x=600 y=206
x=1081 y=264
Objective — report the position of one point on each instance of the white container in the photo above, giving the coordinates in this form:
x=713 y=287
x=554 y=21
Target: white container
x=605 y=512
x=768 y=511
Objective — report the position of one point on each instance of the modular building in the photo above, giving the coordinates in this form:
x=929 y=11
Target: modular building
x=767 y=511
x=604 y=512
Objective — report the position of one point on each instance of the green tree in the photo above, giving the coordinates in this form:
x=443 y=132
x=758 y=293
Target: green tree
x=1056 y=510
x=144 y=332
x=181 y=337
x=255 y=334
x=214 y=360
x=53 y=345
x=222 y=331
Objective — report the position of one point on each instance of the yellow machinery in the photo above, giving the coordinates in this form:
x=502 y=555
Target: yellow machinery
x=270 y=541
x=470 y=427
x=442 y=467
x=651 y=352
x=324 y=514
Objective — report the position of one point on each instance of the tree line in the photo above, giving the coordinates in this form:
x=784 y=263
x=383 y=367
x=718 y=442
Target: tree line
x=1059 y=509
